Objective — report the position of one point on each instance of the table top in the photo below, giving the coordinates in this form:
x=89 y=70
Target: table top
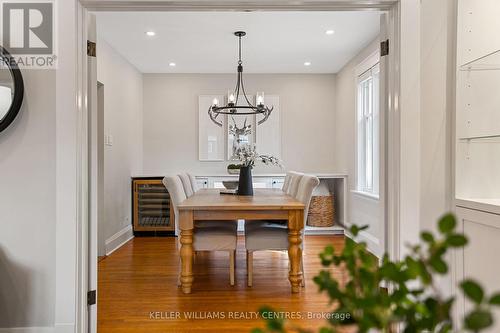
x=263 y=199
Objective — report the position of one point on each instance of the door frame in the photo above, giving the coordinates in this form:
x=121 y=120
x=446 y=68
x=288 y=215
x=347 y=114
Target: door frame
x=392 y=117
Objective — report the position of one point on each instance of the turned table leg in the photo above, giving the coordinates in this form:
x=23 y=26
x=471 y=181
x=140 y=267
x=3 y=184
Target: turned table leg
x=187 y=253
x=295 y=226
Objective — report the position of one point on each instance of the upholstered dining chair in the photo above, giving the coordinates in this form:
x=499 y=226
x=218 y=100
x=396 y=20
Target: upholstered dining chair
x=187 y=184
x=190 y=187
x=293 y=188
x=194 y=183
x=268 y=235
x=220 y=237
x=286 y=182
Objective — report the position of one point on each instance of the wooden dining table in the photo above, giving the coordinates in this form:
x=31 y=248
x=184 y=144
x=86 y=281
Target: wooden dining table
x=265 y=204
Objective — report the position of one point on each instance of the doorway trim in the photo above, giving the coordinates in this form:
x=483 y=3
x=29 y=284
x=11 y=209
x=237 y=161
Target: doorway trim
x=393 y=116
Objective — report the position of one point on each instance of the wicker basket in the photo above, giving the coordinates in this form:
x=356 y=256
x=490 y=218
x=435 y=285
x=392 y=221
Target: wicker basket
x=321 y=211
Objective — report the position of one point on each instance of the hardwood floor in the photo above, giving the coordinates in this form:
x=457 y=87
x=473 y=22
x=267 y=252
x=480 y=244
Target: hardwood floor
x=138 y=289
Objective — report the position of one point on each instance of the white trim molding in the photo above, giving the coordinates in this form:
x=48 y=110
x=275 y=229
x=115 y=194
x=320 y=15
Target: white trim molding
x=58 y=328
x=231 y=5
x=28 y=330
x=73 y=237
x=116 y=241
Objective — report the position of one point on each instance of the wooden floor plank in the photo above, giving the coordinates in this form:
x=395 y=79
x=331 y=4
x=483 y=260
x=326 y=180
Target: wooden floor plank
x=138 y=289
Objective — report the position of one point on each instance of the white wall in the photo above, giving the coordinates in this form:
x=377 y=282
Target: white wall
x=307 y=105
x=437 y=103
x=28 y=207
x=361 y=210
x=123 y=105
x=437 y=80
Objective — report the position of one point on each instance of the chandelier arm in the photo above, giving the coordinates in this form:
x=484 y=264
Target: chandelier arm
x=267 y=113
x=238 y=83
x=245 y=94
x=210 y=114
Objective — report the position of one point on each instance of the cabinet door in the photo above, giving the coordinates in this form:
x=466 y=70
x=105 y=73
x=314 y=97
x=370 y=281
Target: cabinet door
x=479 y=259
x=202 y=182
x=259 y=182
x=278 y=183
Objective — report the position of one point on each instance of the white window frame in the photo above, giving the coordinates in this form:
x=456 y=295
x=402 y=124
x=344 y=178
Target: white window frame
x=368 y=126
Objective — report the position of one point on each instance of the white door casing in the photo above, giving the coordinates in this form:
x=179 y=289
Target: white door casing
x=85 y=318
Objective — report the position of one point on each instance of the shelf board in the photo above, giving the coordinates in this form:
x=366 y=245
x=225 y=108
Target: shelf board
x=488 y=62
x=469 y=138
x=334 y=230
x=491 y=205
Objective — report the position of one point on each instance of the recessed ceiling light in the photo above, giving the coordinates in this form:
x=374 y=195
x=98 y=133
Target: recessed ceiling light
x=330 y=32
x=307 y=63
x=150 y=33
x=172 y=64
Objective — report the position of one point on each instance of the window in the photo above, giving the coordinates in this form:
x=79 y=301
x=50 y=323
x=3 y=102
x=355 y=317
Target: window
x=368 y=130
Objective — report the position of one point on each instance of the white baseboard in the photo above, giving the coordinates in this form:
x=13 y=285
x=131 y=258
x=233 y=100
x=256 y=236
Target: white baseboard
x=317 y=231
x=64 y=328
x=28 y=330
x=372 y=242
x=116 y=241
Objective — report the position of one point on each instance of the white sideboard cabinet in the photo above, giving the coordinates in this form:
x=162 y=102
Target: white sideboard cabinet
x=332 y=183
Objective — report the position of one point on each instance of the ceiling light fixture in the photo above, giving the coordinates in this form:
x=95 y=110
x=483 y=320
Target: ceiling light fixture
x=307 y=63
x=172 y=64
x=232 y=108
x=150 y=33
x=330 y=32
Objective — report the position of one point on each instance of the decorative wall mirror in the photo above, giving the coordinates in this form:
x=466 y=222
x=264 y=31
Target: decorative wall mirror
x=11 y=89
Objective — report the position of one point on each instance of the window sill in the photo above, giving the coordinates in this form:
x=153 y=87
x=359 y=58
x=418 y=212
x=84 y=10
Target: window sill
x=366 y=195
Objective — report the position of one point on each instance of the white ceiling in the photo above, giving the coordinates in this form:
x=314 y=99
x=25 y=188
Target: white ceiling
x=203 y=42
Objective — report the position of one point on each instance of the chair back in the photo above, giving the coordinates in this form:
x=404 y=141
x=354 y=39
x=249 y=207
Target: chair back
x=186 y=184
x=177 y=195
x=286 y=182
x=304 y=194
x=294 y=184
x=194 y=183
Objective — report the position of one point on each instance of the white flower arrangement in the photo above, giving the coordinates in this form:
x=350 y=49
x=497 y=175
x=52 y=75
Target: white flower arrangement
x=248 y=156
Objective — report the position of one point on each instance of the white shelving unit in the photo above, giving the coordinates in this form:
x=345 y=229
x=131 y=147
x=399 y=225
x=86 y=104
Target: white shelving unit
x=477 y=147
x=478 y=131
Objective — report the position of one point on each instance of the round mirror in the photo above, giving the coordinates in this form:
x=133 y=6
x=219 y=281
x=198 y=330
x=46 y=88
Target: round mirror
x=11 y=89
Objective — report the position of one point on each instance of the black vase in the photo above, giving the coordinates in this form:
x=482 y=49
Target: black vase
x=245 y=186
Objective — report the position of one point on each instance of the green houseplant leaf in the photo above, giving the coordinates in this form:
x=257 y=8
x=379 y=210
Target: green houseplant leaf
x=472 y=291
x=478 y=320
x=447 y=224
x=495 y=299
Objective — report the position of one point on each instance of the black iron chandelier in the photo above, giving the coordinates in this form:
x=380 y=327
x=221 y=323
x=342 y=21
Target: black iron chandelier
x=232 y=108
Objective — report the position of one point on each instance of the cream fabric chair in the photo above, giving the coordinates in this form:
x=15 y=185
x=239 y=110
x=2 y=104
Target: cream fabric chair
x=213 y=238
x=267 y=235
x=286 y=182
x=294 y=183
x=194 y=183
x=186 y=184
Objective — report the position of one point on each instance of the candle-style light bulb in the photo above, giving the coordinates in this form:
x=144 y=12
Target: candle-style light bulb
x=260 y=99
x=231 y=98
x=215 y=102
